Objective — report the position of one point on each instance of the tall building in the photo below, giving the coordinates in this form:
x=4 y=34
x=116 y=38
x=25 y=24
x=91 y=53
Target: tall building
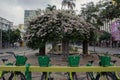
x=28 y=15
x=4 y=25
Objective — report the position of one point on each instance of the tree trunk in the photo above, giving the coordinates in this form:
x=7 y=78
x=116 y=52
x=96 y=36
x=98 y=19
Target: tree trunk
x=85 y=47
x=53 y=47
x=42 y=50
x=65 y=47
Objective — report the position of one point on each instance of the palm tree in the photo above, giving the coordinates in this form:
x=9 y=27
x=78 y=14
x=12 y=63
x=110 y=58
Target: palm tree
x=70 y=4
x=51 y=7
x=116 y=2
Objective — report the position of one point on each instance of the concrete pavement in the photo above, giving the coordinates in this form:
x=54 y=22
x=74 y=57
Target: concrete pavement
x=27 y=51
x=105 y=49
x=20 y=50
x=97 y=49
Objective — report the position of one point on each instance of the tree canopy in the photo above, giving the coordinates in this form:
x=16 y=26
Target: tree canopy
x=56 y=25
x=91 y=13
x=10 y=36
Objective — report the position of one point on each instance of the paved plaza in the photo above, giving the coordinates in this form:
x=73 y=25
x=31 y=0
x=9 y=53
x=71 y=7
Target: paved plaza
x=97 y=49
x=57 y=60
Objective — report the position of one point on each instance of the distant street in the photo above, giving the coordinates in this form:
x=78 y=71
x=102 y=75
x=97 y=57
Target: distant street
x=104 y=49
x=20 y=50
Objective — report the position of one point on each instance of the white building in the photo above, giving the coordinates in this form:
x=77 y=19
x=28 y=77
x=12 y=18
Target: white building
x=4 y=25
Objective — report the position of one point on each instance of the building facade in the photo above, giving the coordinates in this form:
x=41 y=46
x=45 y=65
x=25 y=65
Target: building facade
x=4 y=25
x=28 y=15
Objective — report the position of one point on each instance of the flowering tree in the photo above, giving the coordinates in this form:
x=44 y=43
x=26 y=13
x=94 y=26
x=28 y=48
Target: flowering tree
x=56 y=26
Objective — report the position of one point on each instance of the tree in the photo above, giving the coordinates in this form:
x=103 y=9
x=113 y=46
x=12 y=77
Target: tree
x=109 y=11
x=51 y=8
x=116 y=2
x=56 y=25
x=15 y=36
x=10 y=36
x=5 y=37
x=90 y=12
x=69 y=4
x=42 y=30
x=105 y=35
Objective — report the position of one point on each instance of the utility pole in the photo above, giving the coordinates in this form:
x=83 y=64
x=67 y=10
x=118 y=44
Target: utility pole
x=0 y=36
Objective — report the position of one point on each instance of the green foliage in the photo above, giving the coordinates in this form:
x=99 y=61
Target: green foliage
x=105 y=35
x=90 y=13
x=14 y=35
x=92 y=35
x=5 y=36
x=103 y=11
x=109 y=10
x=100 y=13
x=10 y=35
x=117 y=2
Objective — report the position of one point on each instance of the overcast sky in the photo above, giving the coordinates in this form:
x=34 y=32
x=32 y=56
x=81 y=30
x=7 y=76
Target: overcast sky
x=13 y=10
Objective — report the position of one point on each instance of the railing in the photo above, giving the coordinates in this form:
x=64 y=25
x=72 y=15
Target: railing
x=62 y=69
x=29 y=68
